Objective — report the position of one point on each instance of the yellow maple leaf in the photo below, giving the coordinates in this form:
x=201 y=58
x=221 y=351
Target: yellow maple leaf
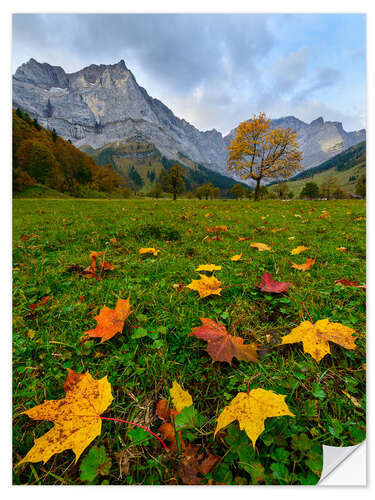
x=208 y=267
x=315 y=337
x=180 y=398
x=152 y=251
x=76 y=419
x=341 y=249
x=237 y=257
x=291 y=237
x=251 y=410
x=207 y=285
x=260 y=246
x=298 y=250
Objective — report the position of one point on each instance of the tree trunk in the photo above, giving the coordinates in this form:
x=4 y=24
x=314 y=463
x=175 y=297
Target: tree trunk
x=174 y=196
x=256 y=193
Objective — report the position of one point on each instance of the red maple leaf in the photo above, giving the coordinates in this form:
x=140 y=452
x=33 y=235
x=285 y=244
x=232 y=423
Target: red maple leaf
x=268 y=284
x=222 y=346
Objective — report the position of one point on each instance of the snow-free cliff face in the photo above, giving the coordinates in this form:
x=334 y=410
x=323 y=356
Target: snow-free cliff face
x=102 y=104
x=319 y=140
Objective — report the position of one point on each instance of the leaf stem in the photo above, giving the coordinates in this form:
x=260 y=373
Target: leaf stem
x=303 y=304
x=137 y=425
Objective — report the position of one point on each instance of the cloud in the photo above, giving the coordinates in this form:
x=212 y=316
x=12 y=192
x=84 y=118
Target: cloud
x=214 y=70
x=291 y=69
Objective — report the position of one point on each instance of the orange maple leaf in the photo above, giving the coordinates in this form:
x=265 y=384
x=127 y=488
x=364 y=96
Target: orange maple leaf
x=306 y=266
x=110 y=321
x=222 y=346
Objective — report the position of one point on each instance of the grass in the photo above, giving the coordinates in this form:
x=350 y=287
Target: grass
x=141 y=370
x=341 y=179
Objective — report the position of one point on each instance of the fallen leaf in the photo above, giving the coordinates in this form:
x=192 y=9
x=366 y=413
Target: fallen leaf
x=217 y=229
x=346 y=282
x=167 y=433
x=291 y=238
x=208 y=267
x=106 y=266
x=260 y=246
x=163 y=411
x=243 y=239
x=222 y=346
x=306 y=266
x=315 y=337
x=236 y=257
x=342 y=249
x=152 y=251
x=268 y=284
x=196 y=463
x=180 y=398
x=76 y=419
x=72 y=380
x=325 y=215
x=207 y=285
x=110 y=321
x=251 y=410
x=298 y=250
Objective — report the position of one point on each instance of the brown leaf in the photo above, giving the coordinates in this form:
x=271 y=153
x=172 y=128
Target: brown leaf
x=222 y=346
x=346 y=282
x=167 y=433
x=196 y=463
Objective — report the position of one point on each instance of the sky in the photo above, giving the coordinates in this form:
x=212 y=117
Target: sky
x=216 y=70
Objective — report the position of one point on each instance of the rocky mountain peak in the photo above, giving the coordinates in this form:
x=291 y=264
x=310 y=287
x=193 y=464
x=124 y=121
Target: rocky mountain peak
x=103 y=104
x=318 y=122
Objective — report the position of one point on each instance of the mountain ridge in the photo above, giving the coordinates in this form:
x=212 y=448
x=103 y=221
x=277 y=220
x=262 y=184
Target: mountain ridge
x=102 y=104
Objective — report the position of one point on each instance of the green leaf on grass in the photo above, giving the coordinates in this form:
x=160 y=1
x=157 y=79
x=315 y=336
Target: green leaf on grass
x=96 y=462
x=317 y=391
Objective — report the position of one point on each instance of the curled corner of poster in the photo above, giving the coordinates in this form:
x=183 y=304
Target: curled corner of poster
x=344 y=466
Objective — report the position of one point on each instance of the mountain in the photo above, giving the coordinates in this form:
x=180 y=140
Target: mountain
x=103 y=104
x=319 y=140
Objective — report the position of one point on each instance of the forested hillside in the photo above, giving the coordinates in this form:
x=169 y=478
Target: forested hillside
x=42 y=157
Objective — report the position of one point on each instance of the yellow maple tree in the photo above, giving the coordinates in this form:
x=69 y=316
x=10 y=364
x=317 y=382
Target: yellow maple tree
x=259 y=151
x=251 y=410
x=76 y=418
x=315 y=337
